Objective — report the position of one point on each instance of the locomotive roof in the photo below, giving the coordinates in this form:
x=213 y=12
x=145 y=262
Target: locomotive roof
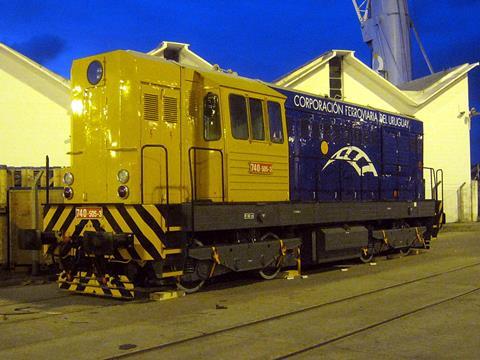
x=239 y=82
x=220 y=77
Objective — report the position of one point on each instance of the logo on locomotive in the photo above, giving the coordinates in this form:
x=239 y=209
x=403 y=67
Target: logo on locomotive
x=356 y=158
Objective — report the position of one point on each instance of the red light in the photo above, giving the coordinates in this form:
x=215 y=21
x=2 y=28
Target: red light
x=123 y=191
x=68 y=193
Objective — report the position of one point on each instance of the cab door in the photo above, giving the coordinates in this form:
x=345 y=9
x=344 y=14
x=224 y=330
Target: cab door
x=207 y=157
x=257 y=162
x=160 y=160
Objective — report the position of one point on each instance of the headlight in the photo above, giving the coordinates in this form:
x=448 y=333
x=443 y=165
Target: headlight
x=123 y=191
x=68 y=193
x=95 y=72
x=68 y=178
x=123 y=176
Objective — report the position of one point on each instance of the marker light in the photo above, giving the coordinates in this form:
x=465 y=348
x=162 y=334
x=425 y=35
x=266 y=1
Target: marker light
x=95 y=72
x=77 y=106
x=123 y=191
x=123 y=176
x=68 y=193
x=68 y=178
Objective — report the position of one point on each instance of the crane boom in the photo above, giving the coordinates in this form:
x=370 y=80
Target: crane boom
x=362 y=8
x=386 y=30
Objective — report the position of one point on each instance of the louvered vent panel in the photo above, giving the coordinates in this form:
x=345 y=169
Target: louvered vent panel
x=150 y=107
x=170 y=109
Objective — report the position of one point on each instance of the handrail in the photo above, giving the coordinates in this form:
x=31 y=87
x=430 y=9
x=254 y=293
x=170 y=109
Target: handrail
x=193 y=177
x=47 y=180
x=166 y=176
x=439 y=174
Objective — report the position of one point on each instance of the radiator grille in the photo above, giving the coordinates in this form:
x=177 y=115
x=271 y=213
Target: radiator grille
x=170 y=113
x=150 y=107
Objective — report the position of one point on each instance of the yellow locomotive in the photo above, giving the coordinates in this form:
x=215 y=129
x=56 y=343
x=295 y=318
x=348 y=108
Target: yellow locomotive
x=180 y=174
x=142 y=129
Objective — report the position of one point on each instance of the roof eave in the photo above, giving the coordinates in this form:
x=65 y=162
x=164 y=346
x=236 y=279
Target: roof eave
x=54 y=76
x=303 y=70
x=461 y=73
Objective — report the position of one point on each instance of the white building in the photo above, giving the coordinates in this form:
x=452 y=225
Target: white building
x=439 y=100
x=34 y=118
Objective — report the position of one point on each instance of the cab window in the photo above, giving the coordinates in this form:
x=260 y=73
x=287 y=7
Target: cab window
x=211 y=118
x=256 y=118
x=275 y=121
x=238 y=116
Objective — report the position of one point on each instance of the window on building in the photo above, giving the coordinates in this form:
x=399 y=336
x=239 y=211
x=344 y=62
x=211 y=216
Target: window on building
x=256 y=118
x=238 y=116
x=275 y=122
x=335 y=65
x=211 y=118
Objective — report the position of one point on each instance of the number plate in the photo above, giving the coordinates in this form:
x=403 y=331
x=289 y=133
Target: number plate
x=89 y=212
x=260 y=168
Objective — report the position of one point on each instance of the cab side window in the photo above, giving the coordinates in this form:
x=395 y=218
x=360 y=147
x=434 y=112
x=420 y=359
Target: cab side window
x=275 y=121
x=256 y=116
x=211 y=118
x=238 y=116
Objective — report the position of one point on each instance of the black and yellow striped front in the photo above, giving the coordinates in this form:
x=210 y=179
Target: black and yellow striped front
x=88 y=283
x=145 y=222
x=104 y=272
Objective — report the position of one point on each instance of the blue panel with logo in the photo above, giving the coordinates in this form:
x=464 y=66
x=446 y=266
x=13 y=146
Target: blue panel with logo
x=344 y=152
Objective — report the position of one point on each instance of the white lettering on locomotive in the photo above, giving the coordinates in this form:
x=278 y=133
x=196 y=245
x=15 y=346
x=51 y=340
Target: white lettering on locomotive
x=337 y=108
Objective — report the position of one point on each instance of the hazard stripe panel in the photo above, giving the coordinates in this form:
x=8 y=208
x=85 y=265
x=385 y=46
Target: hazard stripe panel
x=88 y=283
x=145 y=222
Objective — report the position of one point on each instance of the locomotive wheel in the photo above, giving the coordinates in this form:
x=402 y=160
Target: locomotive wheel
x=270 y=271
x=405 y=251
x=193 y=285
x=366 y=255
x=190 y=286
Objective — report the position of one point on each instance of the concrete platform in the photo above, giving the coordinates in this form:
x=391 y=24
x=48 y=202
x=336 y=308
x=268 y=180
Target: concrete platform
x=423 y=306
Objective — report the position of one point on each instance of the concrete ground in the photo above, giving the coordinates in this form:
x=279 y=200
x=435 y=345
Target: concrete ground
x=424 y=306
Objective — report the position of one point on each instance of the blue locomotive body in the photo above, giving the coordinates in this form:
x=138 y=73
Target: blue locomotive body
x=344 y=152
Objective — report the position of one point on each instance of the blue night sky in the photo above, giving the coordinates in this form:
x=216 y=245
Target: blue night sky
x=259 y=39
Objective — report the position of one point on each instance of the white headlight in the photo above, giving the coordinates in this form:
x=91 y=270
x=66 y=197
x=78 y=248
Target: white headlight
x=68 y=178
x=123 y=176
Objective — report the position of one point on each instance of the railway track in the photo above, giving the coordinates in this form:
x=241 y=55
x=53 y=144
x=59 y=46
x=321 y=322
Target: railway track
x=305 y=310
x=375 y=325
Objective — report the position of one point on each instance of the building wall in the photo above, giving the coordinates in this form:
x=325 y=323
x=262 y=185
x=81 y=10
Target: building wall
x=361 y=89
x=447 y=146
x=34 y=119
x=316 y=82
